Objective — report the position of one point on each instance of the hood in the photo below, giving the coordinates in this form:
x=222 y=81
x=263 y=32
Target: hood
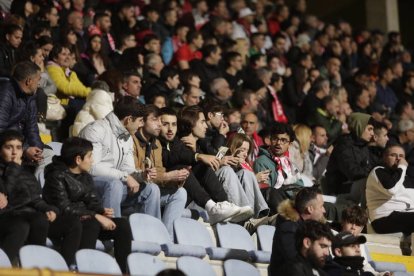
x=56 y=165
x=99 y=103
x=357 y=123
x=117 y=128
x=286 y=210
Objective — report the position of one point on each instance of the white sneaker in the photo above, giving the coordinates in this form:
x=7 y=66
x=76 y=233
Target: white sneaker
x=222 y=211
x=246 y=212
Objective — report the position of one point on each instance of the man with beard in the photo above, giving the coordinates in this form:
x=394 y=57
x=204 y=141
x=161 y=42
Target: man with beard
x=313 y=240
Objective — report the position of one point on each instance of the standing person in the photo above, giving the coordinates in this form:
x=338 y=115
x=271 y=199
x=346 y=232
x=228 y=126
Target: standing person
x=24 y=215
x=313 y=240
x=308 y=205
x=70 y=187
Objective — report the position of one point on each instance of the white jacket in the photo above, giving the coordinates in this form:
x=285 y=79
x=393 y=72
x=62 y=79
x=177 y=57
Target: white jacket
x=381 y=202
x=112 y=147
x=98 y=105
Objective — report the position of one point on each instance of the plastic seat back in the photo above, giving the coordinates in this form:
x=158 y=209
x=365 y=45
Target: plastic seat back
x=190 y=232
x=148 y=229
x=95 y=261
x=144 y=264
x=234 y=236
x=36 y=256
x=4 y=260
x=265 y=235
x=195 y=266
x=239 y=268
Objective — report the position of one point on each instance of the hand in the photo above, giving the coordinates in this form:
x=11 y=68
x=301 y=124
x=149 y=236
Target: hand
x=403 y=162
x=263 y=176
x=51 y=216
x=108 y=212
x=33 y=154
x=190 y=142
x=106 y=223
x=210 y=160
x=329 y=150
x=179 y=175
x=132 y=184
x=224 y=128
x=229 y=160
x=306 y=87
x=151 y=173
x=3 y=201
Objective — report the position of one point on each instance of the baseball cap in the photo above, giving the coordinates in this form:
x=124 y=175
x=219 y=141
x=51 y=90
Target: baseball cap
x=346 y=238
x=245 y=12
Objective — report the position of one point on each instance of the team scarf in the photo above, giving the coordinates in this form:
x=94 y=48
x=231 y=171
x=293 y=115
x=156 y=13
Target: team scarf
x=277 y=108
x=283 y=168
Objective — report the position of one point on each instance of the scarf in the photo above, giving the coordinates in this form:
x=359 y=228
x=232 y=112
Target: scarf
x=277 y=108
x=93 y=29
x=284 y=170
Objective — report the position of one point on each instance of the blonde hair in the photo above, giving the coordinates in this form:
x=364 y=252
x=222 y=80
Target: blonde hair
x=303 y=136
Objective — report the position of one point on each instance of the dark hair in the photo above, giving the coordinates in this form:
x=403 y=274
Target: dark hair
x=327 y=100
x=187 y=118
x=304 y=196
x=40 y=28
x=312 y=230
x=281 y=128
x=73 y=147
x=229 y=57
x=149 y=37
x=209 y=49
x=151 y=109
x=56 y=50
x=390 y=146
x=28 y=51
x=191 y=35
x=98 y=16
x=167 y=111
x=11 y=29
x=168 y=72
x=24 y=70
x=255 y=58
x=382 y=71
x=10 y=134
x=44 y=40
x=212 y=108
x=186 y=75
x=128 y=106
x=355 y=215
x=401 y=105
x=188 y=89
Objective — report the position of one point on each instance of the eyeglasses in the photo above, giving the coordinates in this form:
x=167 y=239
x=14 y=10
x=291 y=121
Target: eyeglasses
x=218 y=114
x=282 y=141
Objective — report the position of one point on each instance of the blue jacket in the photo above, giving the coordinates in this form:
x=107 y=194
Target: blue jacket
x=19 y=111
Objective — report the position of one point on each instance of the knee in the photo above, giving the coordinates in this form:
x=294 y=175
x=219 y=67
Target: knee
x=40 y=222
x=181 y=194
x=123 y=227
x=152 y=190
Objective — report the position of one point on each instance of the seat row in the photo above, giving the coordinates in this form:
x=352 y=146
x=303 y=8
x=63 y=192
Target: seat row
x=98 y=262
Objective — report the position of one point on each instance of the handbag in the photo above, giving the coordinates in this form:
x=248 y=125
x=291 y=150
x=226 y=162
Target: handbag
x=55 y=111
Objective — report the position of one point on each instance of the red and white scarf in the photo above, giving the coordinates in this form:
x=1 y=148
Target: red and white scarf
x=284 y=171
x=277 y=108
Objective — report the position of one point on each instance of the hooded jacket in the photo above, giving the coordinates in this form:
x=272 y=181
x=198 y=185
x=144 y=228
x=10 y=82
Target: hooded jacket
x=350 y=160
x=22 y=190
x=73 y=194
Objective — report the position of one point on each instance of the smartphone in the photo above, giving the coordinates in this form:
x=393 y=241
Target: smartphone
x=221 y=152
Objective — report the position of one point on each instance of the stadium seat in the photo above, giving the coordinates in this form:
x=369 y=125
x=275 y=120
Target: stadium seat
x=144 y=264
x=36 y=256
x=95 y=261
x=234 y=236
x=194 y=266
x=151 y=236
x=239 y=268
x=56 y=147
x=265 y=235
x=4 y=260
x=384 y=266
x=193 y=233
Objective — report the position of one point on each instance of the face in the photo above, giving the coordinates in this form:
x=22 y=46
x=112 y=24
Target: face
x=198 y=42
x=243 y=150
x=38 y=57
x=46 y=50
x=200 y=128
x=280 y=45
x=153 y=46
x=96 y=44
x=174 y=82
x=168 y=127
x=85 y=164
x=318 y=251
x=249 y=124
x=15 y=39
x=316 y=208
x=63 y=58
x=133 y=86
x=71 y=38
x=159 y=102
x=216 y=56
x=216 y=118
x=353 y=228
x=388 y=76
x=53 y=17
x=349 y=250
x=130 y=42
x=32 y=83
x=333 y=66
x=133 y=124
x=223 y=91
x=157 y=64
x=152 y=125
x=368 y=133
x=364 y=99
x=381 y=138
x=193 y=98
x=237 y=63
x=279 y=144
x=77 y=21
x=320 y=137
x=195 y=81
x=12 y=151
x=234 y=118
x=333 y=107
x=252 y=102
x=105 y=24
x=393 y=157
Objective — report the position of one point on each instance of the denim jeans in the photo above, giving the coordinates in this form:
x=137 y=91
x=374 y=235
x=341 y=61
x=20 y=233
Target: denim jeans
x=232 y=186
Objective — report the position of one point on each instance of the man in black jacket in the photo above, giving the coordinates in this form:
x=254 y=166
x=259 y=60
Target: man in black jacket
x=312 y=241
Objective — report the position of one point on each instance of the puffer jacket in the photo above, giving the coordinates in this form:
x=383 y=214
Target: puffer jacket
x=18 y=111
x=113 y=149
x=73 y=194
x=22 y=191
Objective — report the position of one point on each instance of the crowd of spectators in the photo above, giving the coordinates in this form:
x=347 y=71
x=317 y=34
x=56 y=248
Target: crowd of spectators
x=234 y=106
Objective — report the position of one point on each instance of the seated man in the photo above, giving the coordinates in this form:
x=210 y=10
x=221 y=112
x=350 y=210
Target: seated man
x=347 y=255
x=113 y=162
x=202 y=185
x=312 y=241
x=318 y=151
x=148 y=154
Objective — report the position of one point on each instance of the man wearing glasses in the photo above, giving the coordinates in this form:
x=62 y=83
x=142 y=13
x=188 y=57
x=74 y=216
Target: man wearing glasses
x=217 y=130
x=284 y=179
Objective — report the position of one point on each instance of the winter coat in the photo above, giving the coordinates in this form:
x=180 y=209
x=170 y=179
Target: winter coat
x=73 y=194
x=176 y=154
x=98 y=105
x=299 y=266
x=349 y=162
x=19 y=111
x=22 y=190
x=346 y=266
x=112 y=147
x=212 y=142
x=7 y=59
